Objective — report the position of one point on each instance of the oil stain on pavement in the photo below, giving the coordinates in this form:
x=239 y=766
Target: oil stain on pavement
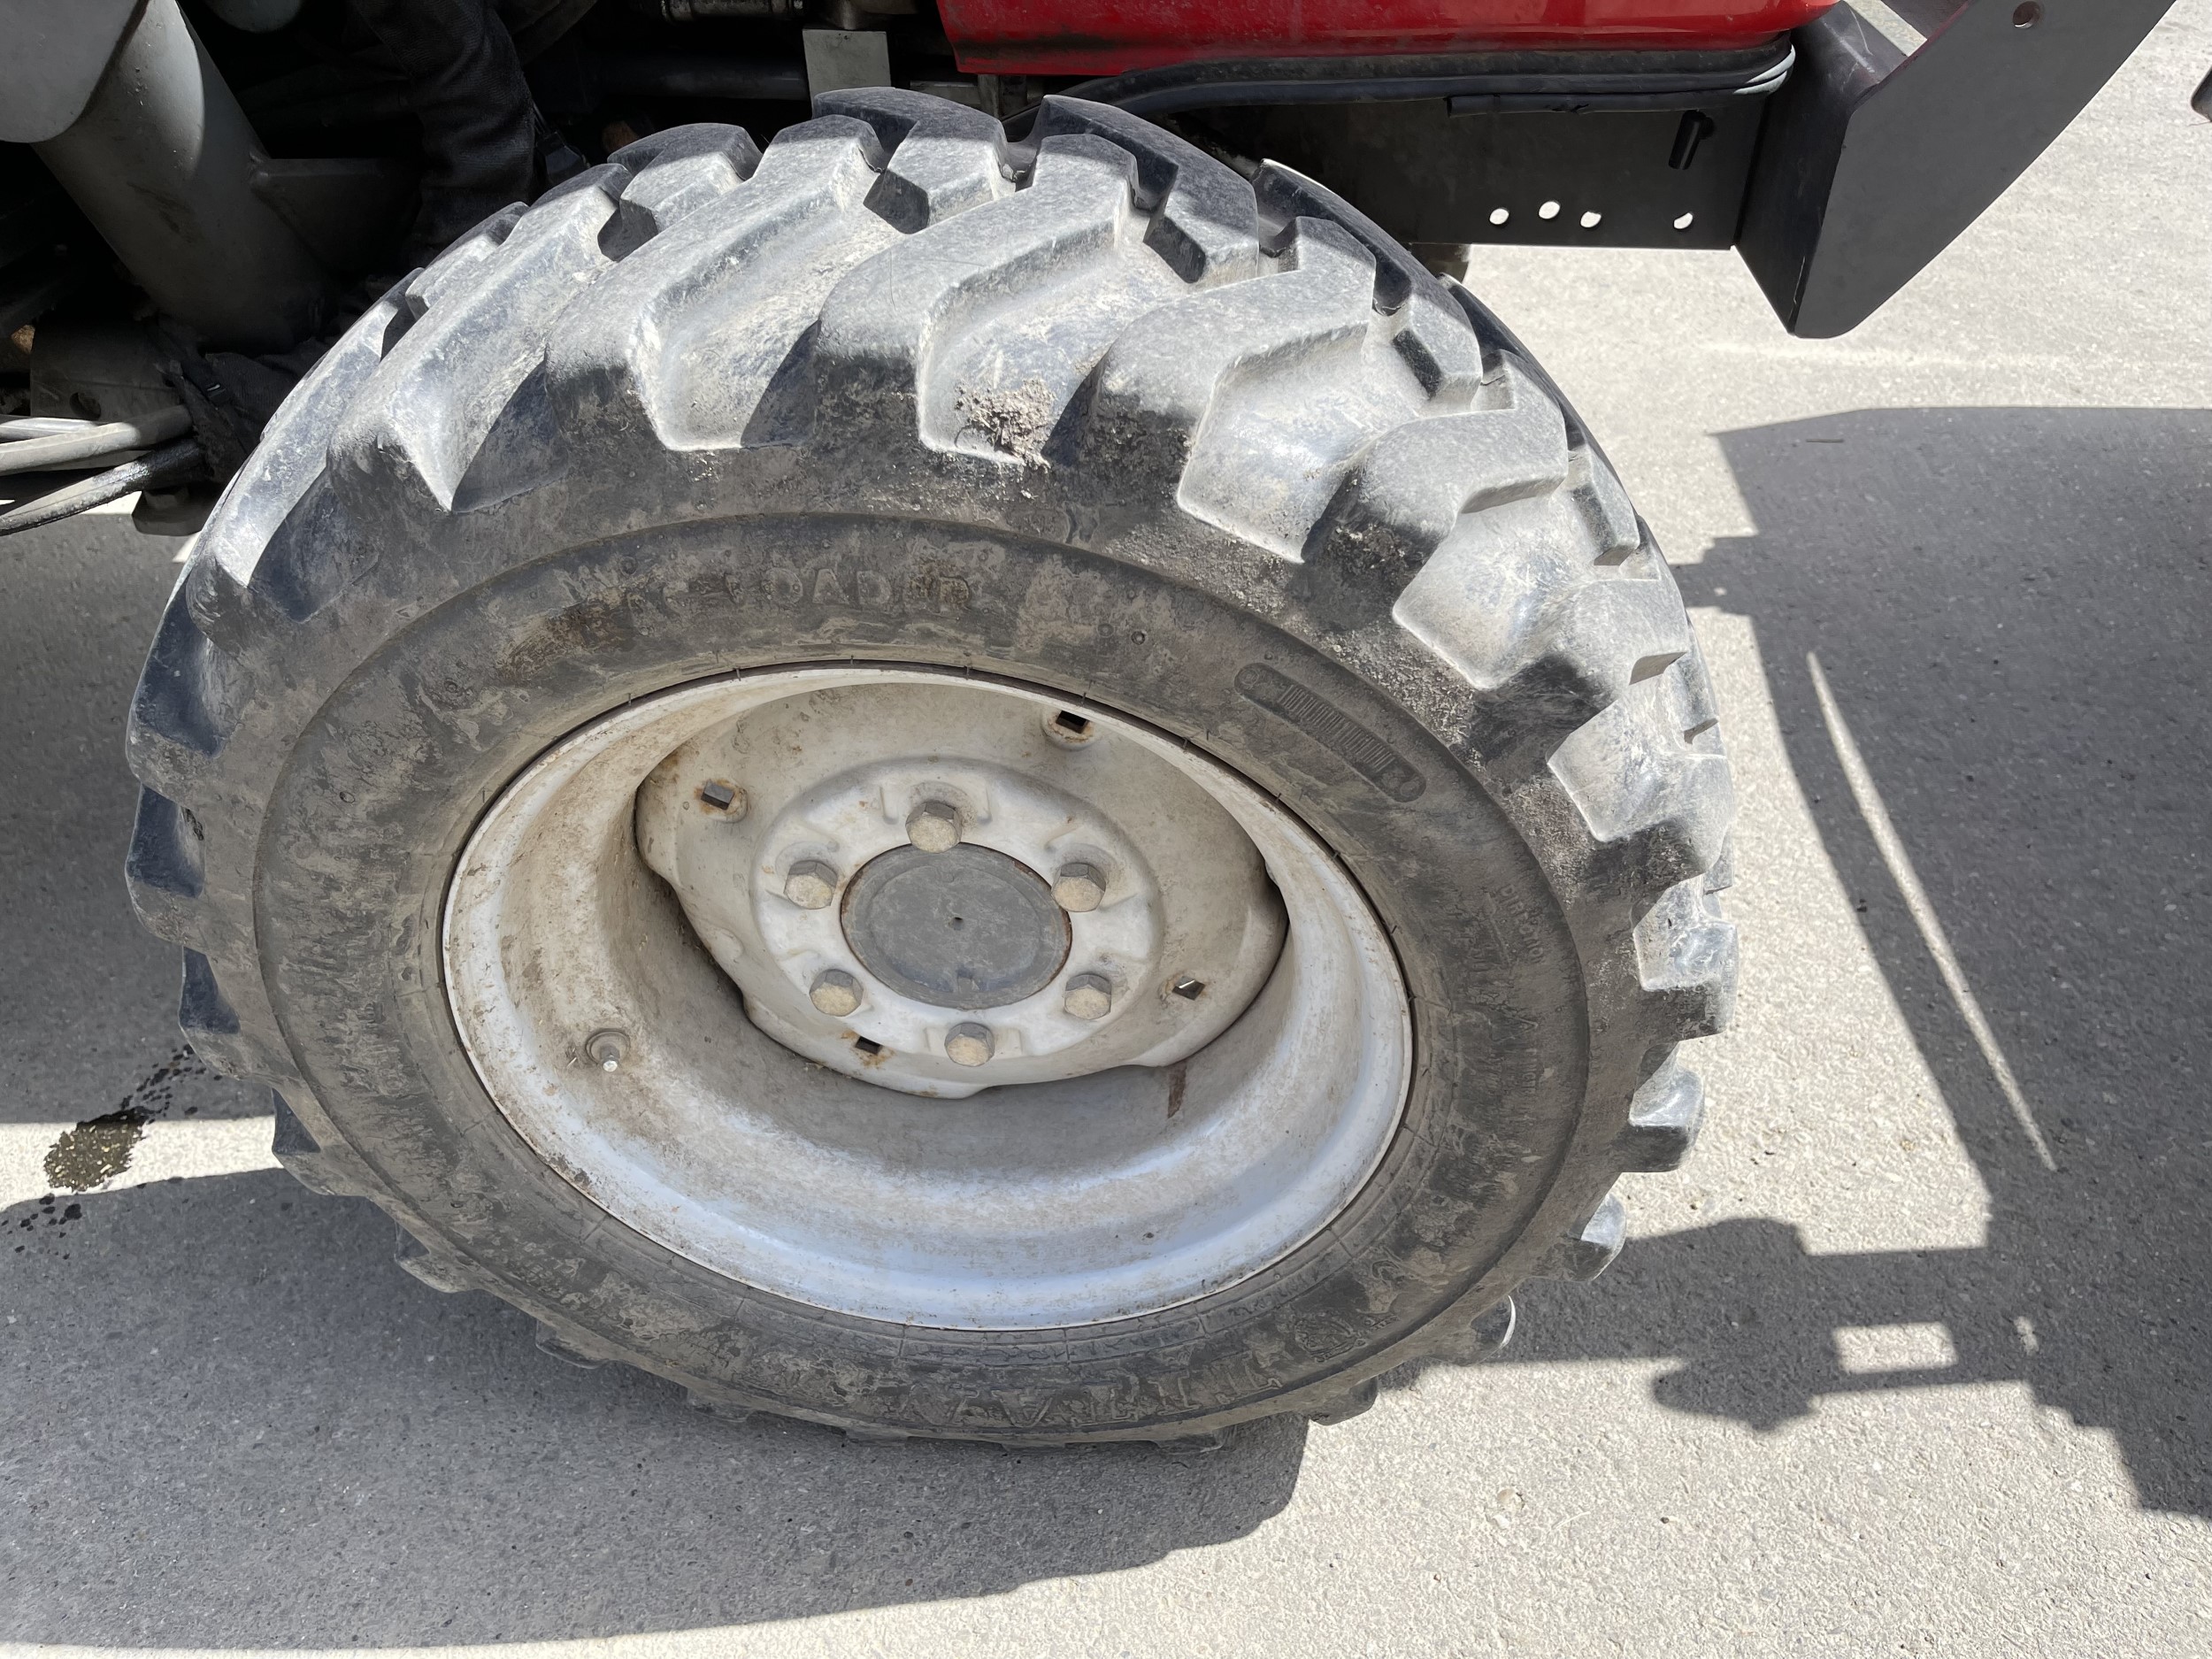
x=99 y=1148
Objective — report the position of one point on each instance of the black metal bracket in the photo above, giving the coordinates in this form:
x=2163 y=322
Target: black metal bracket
x=1839 y=176
x=1584 y=149
x=1607 y=178
x=1873 y=161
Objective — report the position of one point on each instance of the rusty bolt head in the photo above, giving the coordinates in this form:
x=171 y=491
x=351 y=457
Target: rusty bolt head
x=1090 y=997
x=721 y=795
x=934 y=826
x=1078 y=887
x=968 y=1044
x=811 y=885
x=835 y=993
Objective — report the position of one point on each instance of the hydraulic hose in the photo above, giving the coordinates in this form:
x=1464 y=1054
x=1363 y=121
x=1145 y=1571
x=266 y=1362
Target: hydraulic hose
x=172 y=464
x=31 y=454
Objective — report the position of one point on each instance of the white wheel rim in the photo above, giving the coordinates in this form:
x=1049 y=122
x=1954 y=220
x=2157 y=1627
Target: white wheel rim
x=1089 y=1169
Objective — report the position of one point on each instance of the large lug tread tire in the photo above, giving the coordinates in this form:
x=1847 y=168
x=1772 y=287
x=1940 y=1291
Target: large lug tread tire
x=1242 y=397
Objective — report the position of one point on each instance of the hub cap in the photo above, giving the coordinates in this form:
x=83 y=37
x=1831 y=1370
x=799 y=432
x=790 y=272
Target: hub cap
x=964 y=928
x=1010 y=1012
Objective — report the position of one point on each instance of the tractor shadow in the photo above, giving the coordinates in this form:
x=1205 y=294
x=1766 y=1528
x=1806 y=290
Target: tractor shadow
x=230 y=1420
x=78 y=602
x=2012 y=609
x=234 y=1416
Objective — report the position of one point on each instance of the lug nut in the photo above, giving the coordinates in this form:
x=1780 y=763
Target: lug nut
x=1078 y=887
x=968 y=1044
x=811 y=885
x=1090 y=997
x=607 y=1049
x=934 y=826
x=835 y=993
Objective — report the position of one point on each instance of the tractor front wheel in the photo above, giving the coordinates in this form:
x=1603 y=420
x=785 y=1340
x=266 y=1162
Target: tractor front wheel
x=1023 y=792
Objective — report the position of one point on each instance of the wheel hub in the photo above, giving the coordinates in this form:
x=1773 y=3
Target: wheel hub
x=961 y=858
x=926 y=999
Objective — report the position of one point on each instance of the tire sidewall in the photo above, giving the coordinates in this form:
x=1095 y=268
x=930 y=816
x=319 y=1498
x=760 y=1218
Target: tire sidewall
x=386 y=783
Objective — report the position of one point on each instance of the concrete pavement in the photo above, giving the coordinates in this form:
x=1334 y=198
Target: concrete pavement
x=1911 y=1358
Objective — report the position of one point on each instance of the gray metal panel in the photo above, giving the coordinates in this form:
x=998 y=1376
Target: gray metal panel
x=55 y=51
x=1873 y=163
x=160 y=162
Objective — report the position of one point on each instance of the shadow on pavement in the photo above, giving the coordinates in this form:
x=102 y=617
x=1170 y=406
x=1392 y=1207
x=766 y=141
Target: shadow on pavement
x=78 y=603
x=2012 y=613
x=343 y=1457
x=227 y=1419
x=2009 y=606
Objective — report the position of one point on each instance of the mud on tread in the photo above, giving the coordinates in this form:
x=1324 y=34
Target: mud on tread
x=1099 y=338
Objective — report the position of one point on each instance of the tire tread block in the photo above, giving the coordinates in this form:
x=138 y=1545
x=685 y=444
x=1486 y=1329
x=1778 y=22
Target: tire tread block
x=1663 y=1120
x=674 y=173
x=1418 y=483
x=1205 y=220
x=1588 y=1251
x=945 y=158
x=185 y=704
x=1181 y=368
x=165 y=869
x=654 y=351
x=417 y=424
x=883 y=324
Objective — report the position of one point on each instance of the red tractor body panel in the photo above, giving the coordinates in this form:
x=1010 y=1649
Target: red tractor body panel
x=1103 y=37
